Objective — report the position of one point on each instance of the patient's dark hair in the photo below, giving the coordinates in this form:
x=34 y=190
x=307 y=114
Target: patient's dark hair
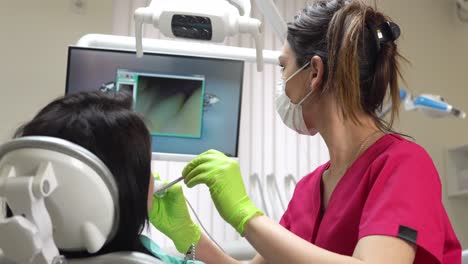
x=105 y=124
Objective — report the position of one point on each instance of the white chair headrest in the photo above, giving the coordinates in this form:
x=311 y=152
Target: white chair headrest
x=84 y=208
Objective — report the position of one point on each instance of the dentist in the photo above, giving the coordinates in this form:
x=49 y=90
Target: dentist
x=378 y=199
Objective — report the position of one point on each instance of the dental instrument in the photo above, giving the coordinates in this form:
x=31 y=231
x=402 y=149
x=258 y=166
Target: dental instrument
x=434 y=106
x=161 y=188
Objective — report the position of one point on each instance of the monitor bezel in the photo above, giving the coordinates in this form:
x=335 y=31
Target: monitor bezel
x=162 y=155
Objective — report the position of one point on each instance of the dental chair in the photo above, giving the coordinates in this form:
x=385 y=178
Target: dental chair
x=62 y=198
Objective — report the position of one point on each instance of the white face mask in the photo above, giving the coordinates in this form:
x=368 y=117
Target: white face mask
x=291 y=113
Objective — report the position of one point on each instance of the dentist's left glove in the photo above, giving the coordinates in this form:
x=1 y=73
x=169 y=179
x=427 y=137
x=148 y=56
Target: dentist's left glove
x=170 y=215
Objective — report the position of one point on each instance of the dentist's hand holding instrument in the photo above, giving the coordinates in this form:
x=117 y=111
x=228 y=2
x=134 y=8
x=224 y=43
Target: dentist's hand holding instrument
x=222 y=176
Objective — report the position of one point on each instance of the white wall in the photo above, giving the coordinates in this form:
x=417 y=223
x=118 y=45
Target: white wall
x=436 y=43
x=33 y=52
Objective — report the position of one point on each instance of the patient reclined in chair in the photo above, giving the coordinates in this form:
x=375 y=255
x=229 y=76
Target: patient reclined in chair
x=77 y=180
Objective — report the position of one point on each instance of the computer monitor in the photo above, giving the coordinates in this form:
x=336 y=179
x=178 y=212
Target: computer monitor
x=190 y=104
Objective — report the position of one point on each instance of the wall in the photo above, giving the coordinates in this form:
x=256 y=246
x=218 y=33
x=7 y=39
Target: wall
x=436 y=44
x=33 y=52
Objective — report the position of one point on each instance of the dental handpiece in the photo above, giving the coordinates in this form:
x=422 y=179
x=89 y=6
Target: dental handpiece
x=161 y=189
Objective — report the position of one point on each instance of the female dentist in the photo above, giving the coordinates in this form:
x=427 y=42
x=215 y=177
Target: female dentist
x=378 y=199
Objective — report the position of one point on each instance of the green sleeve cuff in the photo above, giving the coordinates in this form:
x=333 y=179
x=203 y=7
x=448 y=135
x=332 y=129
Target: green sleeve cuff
x=241 y=227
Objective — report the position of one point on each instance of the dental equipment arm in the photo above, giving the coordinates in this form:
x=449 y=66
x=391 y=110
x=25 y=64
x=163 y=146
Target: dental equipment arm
x=212 y=20
x=242 y=5
x=274 y=18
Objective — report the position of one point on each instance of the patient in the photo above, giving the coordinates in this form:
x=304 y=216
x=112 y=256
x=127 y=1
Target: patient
x=104 y=124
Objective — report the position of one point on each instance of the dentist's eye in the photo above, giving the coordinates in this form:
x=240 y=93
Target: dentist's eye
x=281 y=67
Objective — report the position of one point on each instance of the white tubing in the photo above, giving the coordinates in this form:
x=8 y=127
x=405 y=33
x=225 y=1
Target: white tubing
x=273 y=16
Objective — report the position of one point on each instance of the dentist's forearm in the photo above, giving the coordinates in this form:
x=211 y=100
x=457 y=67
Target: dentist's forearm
x=278 y=245
x=208 y=252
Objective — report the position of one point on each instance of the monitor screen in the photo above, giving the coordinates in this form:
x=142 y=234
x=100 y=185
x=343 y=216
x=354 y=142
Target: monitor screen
x=190 y=104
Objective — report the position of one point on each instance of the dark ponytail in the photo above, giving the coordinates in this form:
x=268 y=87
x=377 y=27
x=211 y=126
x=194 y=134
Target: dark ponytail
x=357 y=45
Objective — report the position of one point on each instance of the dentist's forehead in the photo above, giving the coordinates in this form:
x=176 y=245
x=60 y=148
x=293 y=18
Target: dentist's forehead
x=281 y=58
x=286 y=52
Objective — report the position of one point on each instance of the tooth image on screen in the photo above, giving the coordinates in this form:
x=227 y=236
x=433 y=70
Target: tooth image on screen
x=171 y=106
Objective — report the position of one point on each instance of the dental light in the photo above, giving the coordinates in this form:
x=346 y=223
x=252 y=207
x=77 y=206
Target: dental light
x=205 y=20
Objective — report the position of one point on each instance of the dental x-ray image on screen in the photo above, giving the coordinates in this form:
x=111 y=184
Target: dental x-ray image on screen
x=172 y=105
x=190 y=104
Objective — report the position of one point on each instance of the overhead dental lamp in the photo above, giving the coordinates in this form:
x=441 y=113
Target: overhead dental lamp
x=203 y=20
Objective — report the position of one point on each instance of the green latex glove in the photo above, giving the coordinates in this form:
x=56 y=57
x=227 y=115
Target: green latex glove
x=222 y=176
x=170 y=215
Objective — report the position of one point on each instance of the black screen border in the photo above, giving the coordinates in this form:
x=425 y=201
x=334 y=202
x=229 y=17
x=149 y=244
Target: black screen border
x=72 y=48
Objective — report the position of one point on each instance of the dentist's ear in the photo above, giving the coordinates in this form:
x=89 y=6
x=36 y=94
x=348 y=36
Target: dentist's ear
x=316 y=73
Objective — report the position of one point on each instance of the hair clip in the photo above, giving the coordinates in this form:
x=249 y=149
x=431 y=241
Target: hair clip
x=387 y=31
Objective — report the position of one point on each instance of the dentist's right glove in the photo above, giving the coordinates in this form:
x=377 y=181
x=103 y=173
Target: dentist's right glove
x=170 y=215
x=222 y=176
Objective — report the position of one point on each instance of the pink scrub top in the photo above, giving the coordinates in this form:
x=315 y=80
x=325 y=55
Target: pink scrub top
x=392 y=189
